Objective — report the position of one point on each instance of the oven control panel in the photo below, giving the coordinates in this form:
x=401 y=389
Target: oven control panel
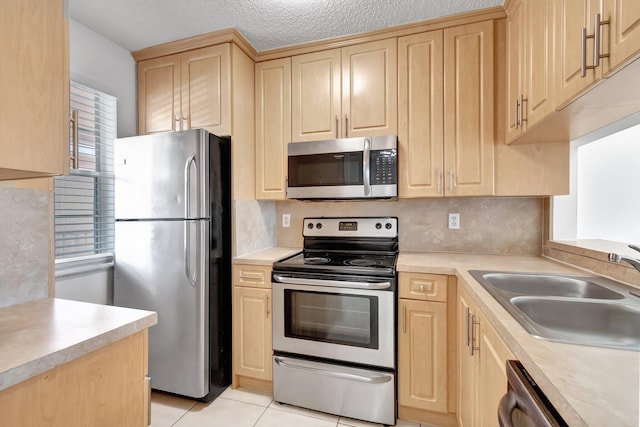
x=351 y=227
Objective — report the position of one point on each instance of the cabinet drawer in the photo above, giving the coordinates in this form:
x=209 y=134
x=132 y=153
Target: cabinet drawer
x=255 y=276
x=421 y=286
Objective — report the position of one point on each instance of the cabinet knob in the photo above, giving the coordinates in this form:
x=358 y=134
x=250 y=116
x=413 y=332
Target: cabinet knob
x=421 y=288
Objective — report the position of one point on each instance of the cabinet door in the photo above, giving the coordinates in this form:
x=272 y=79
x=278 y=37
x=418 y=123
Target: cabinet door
x=492 y=381
x=273 y=127
x=515 y=64
x=34 y=88
x=538 y=60
x=624 y=30
x=315 y=96
x=369 y=88
x=468 y=130
x=467 y=370
x=205 y=95
x=420 y=114
x=422 y=355
x=159 y=94
x=105 y=387
x=571 y=16
x=252 y=348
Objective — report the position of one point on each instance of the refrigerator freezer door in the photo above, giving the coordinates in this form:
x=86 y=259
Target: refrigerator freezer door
x=163 y=175
x=152 y=273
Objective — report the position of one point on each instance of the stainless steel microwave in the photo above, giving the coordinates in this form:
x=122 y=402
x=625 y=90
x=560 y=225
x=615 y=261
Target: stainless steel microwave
x=349 y=168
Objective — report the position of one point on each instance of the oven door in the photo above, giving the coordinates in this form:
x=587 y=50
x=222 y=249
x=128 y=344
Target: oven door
x=332 y=319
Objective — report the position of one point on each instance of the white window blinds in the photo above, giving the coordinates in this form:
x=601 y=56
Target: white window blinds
x=84 y=223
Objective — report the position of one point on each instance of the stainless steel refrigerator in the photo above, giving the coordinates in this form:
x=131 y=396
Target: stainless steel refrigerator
x=173 y=254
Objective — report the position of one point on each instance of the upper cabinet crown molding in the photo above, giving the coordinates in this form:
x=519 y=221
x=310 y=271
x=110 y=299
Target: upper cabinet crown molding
x=234 y=36
x=229 y=35
x=486 y=14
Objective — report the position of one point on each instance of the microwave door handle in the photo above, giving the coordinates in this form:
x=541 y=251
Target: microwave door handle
x=365 y=166
x=330 y=283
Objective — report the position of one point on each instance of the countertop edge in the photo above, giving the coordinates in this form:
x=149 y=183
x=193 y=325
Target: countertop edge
x=266 y=256
x=39 y=365
x=523 y=346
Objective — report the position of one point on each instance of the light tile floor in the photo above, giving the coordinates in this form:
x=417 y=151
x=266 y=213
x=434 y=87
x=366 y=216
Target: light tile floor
x=245 y=408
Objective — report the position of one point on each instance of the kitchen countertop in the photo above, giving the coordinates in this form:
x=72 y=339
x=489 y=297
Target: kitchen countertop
x=266 y=256
x=589 y=386
x=40 y=335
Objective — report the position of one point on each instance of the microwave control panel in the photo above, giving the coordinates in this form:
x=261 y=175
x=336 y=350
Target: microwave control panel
x=384 y=167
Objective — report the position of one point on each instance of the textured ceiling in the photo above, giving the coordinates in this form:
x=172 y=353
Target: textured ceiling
x=267 y=24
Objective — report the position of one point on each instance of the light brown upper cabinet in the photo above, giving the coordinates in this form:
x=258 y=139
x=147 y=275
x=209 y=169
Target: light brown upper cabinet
x=623 y=33
x=186 y=91
x=529 y=64
x=346 y=92
x=273 y=127
x=572 y=19
x=446 y=112
x=586 y=53
x=420 y=114
x=34 y=106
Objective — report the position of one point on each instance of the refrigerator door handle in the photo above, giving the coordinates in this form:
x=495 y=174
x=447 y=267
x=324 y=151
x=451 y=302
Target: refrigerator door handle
x=187 y=253
x=187 y=185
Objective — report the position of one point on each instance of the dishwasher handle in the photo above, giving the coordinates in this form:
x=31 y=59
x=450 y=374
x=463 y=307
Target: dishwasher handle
x=524 y=394
x=505 y=408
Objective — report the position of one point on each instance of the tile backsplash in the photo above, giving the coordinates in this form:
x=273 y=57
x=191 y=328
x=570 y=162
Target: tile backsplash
x=254 y=225
x=24 y=245
x=491 y=225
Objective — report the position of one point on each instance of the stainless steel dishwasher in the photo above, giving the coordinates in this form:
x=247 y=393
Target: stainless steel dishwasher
x=525 y=405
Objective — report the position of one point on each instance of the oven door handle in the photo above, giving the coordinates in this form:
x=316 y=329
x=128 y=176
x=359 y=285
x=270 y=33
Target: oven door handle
x=385 y=378
x=331 y=283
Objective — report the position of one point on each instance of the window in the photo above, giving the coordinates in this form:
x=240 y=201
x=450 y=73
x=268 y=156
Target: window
x=84 y=205
x=603 y=204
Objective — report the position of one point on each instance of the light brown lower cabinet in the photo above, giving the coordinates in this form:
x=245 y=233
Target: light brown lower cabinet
x=424 y=374
x=482 y=357
x=106 y=387
x=252 y=348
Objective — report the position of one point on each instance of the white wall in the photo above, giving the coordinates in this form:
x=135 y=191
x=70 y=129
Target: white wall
x=605 y=199
x=608 y=191
x=103 y=65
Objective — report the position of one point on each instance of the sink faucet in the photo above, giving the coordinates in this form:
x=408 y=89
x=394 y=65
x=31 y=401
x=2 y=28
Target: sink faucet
x=633 y=261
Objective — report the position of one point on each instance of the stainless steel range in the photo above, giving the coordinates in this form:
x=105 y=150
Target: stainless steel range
x=334 y=311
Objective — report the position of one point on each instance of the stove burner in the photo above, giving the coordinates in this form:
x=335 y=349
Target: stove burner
x=316 y=260
x=361 y=262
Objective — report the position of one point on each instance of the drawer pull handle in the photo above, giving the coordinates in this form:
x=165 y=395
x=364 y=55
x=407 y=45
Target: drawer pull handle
x=318 y=370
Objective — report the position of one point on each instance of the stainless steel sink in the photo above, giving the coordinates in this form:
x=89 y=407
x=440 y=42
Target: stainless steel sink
x=583 y=322
x=587 y=310
x=549 y=285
